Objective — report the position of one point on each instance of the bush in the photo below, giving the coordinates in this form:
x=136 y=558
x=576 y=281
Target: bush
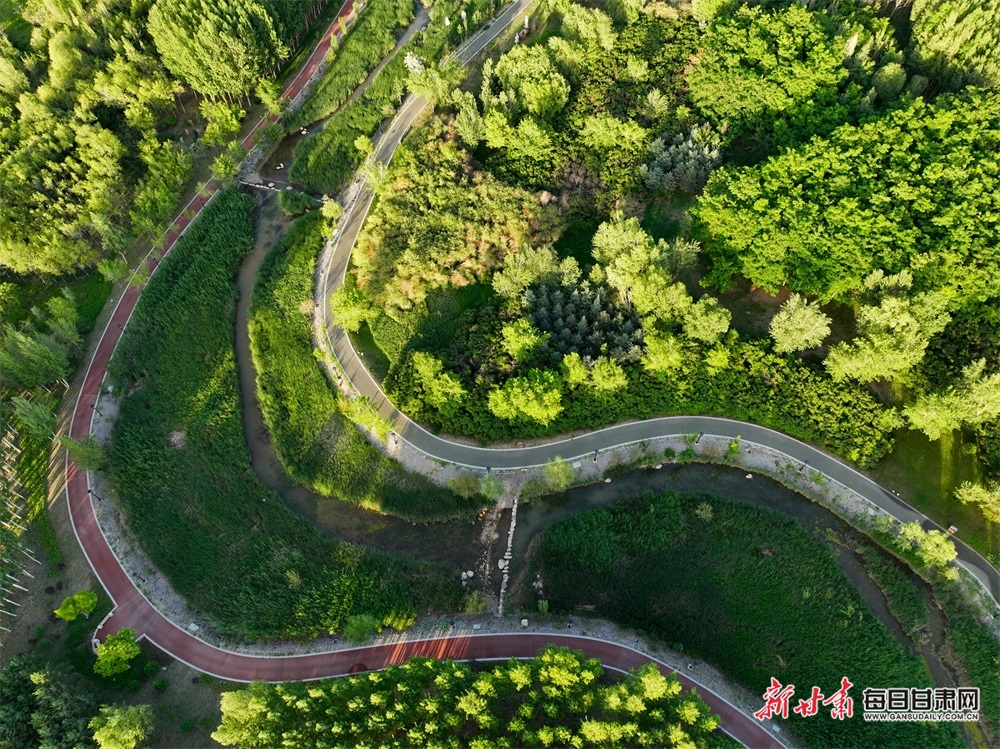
x=361 y=627
x=294 y=203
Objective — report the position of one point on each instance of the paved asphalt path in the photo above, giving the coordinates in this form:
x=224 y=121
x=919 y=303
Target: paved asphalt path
x=577 y=447
x=133 y=611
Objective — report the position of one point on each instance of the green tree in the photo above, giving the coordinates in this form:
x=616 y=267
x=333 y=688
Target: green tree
x=86 y=453
x=664 y=354
x=112 y=268
x=350 y=305
x=625 y=11
x=607 y=376
x=557 y=698
x=35 y=416
x=157 y=194
x=934 y=548
x=521 y=340
x=331 y=210
x=799 y=325
x=537 y=396
x=777 y=75
x=893 y=338
x=29 y=360
x=709 y=10
x=537 y=88
x=219 y=48
x=115 y=653
x=816 y=218
x=435 y=82
x=442 y=390
x=638 y=268
x=222 y=122
x=574 y=371
x=227 y=164
x=269 y=94
x=122 y=726
x=974 y=400
x=531 y=265
x=249 y=716
x=559 y=474
x=469 y=123
x=986 y=496
x=956 y=40
x=707 y=320
x=80 y=603
x=61 y=714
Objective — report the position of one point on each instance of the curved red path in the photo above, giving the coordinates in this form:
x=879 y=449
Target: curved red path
x=133 y=611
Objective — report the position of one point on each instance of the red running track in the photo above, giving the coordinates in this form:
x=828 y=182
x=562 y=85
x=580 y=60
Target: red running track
x=133 y=611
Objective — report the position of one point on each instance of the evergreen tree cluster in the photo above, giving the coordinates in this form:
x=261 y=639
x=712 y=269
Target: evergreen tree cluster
x=956 y=41
x=684 y=163
x=584 y=320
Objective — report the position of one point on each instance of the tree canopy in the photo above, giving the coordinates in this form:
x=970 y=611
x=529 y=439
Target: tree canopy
x=555 y=698
x=915 y=189
x=764 y=72
x=957 y=40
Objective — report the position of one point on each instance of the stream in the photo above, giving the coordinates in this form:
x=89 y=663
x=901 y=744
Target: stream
x=724 y=481
x=455 y=542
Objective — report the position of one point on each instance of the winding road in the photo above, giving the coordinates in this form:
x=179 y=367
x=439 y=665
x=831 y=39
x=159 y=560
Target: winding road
x=331 y=275
x=134 y=611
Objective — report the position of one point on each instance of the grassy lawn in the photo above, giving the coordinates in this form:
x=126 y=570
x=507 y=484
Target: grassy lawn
x=181 y=468
x=376 y=362
x=748 y=590
x=925 y=474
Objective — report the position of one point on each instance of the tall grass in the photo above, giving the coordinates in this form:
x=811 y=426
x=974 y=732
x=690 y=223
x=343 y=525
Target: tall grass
x=318 y=445
x=748 y=591
x=372 y=37
x=227 y=544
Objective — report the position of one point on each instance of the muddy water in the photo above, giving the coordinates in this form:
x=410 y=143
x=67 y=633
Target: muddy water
x=732 y=483
x=456 y=542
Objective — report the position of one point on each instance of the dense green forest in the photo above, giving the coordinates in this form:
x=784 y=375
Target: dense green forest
x=566 y=241
x=90 y=96
x=558 y=698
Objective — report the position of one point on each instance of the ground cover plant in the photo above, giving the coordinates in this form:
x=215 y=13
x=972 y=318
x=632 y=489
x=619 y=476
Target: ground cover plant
x=558 y=697
x=318 y=445
x=746 y=589
x=180 y=466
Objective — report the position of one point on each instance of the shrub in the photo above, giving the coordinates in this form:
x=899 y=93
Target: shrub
x=293 y=203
